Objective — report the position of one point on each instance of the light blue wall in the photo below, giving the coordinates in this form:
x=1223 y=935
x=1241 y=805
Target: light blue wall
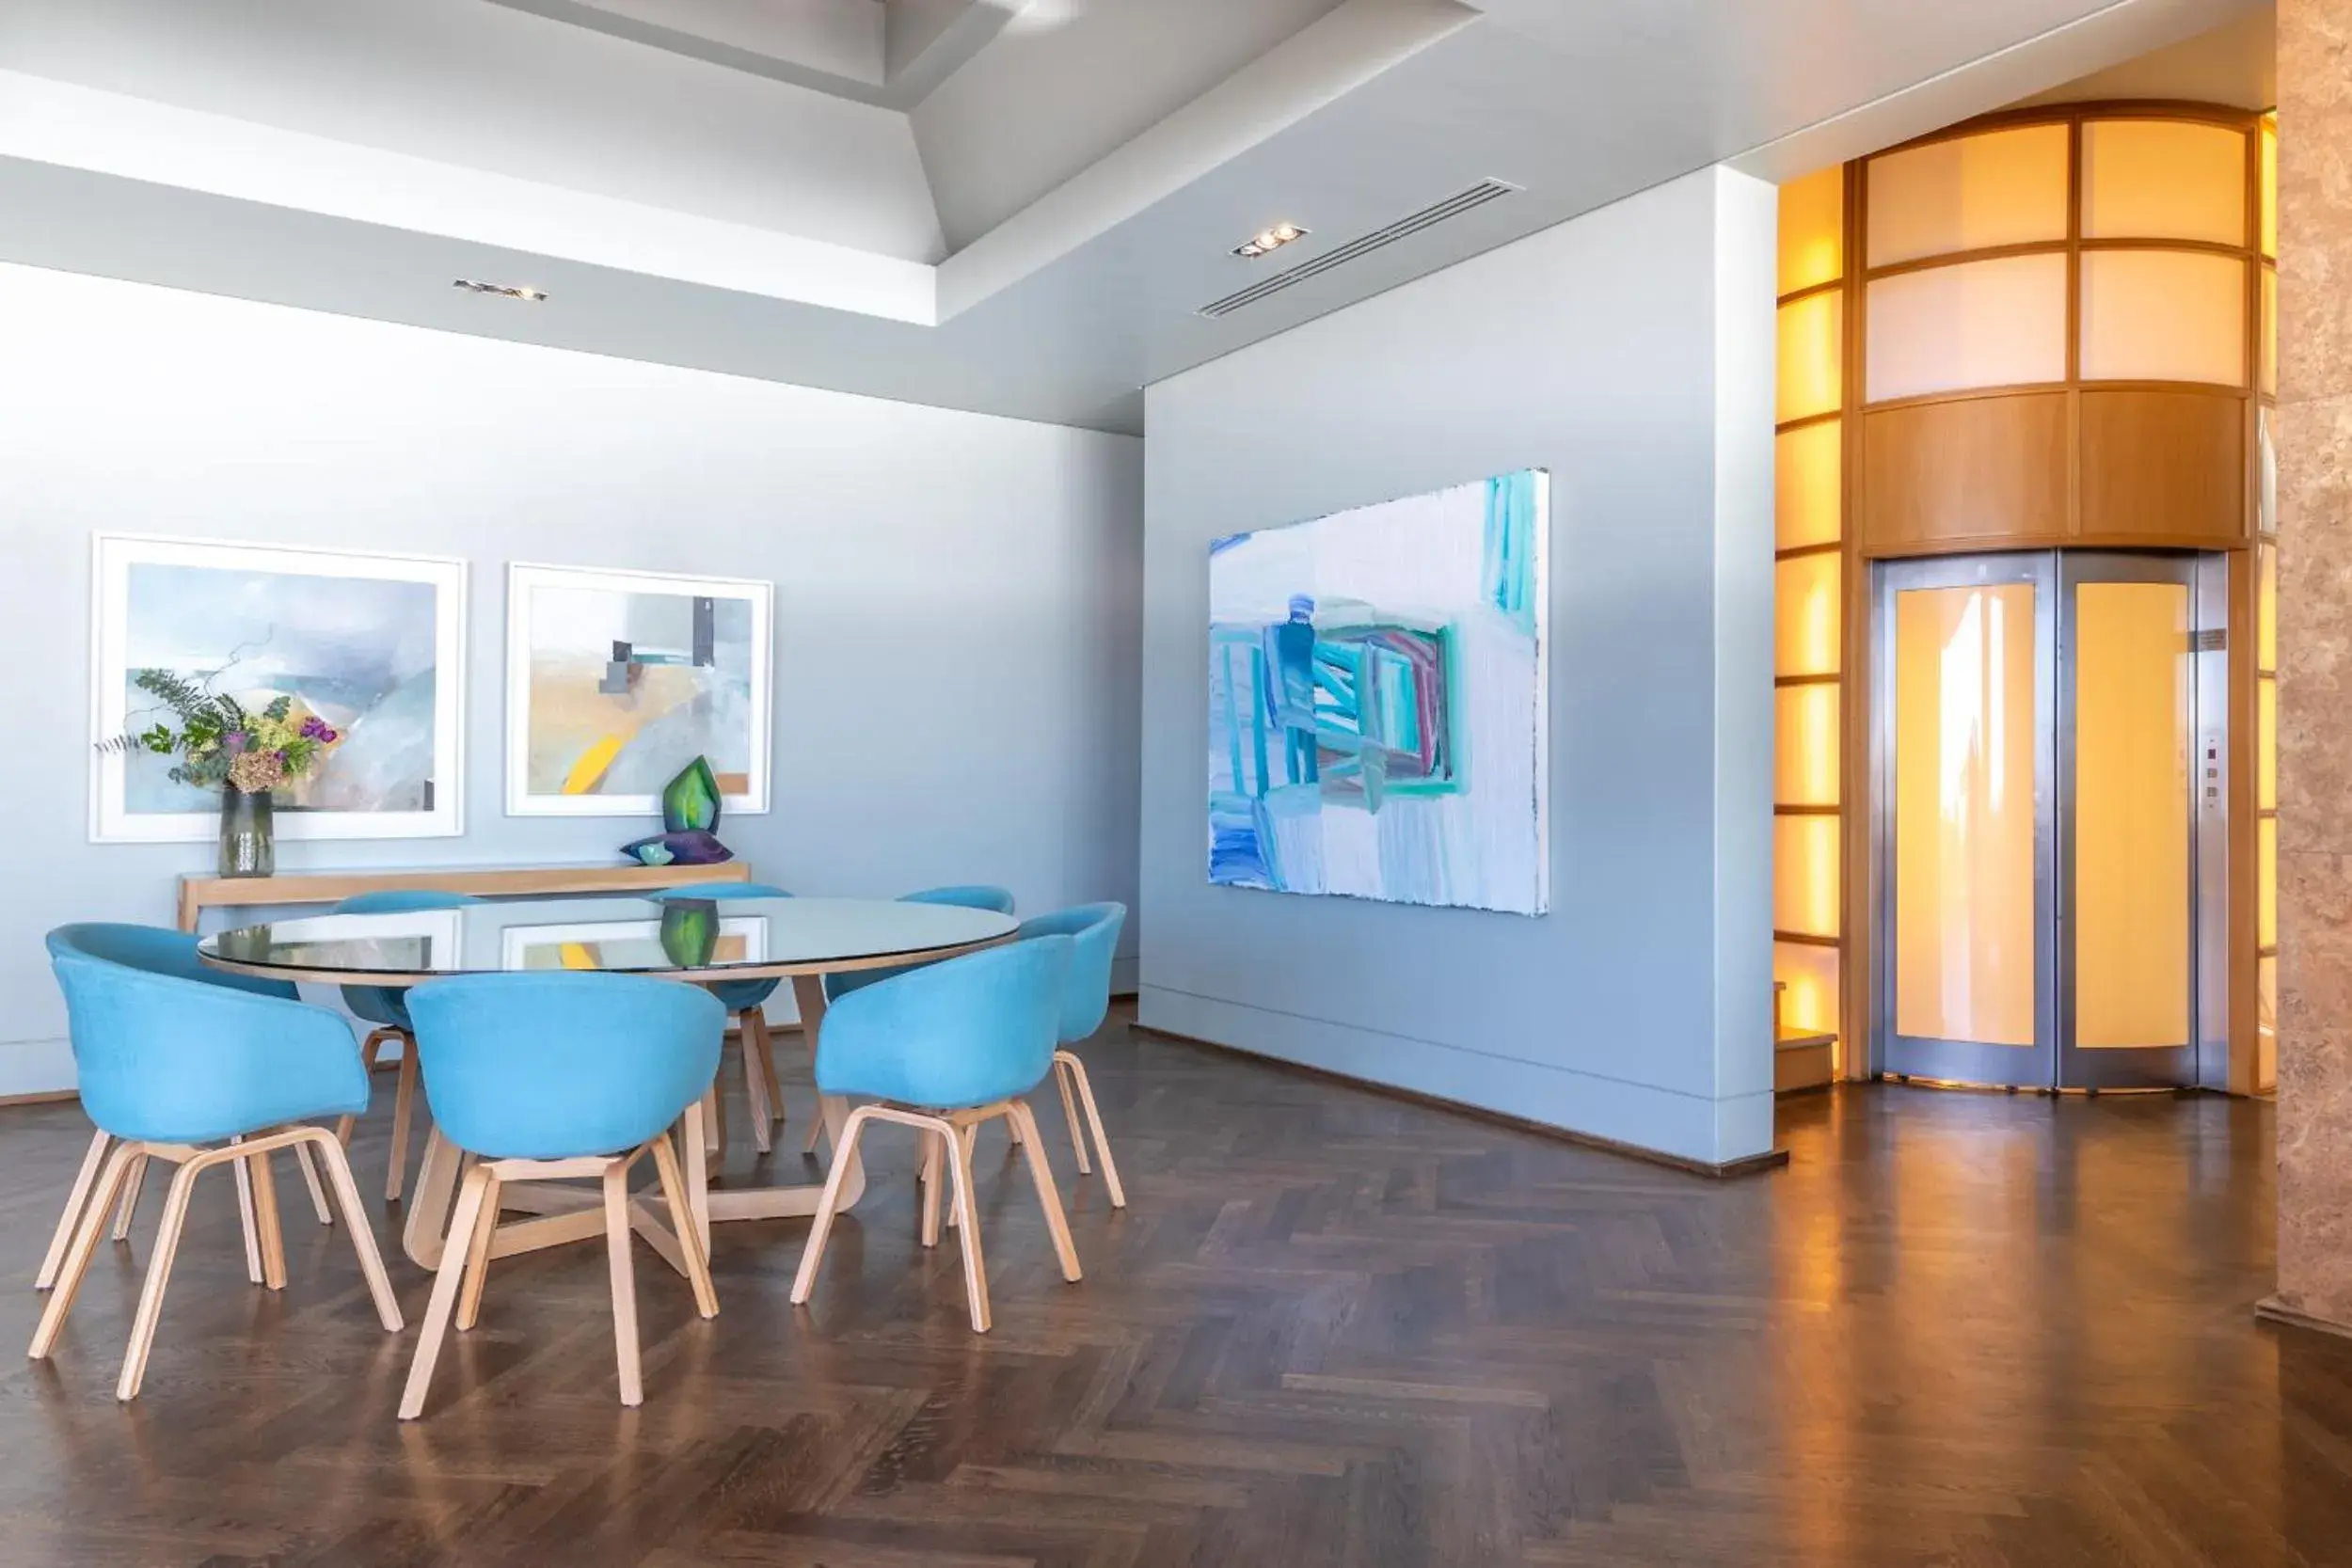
x=956 y=598
x=1631 y=353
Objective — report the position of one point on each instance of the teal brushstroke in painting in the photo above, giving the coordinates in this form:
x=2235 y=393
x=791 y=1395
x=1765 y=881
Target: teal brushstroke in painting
x=1233 y=719
x=1257 y=715
x=1509 y=559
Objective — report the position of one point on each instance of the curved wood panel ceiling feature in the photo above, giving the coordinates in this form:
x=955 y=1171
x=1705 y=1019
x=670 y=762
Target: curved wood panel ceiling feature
x=2108 y=254
x=1973 y=473
x=2161 y=466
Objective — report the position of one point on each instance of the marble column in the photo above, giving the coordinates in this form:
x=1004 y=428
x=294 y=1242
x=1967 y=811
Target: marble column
x=2315 y=447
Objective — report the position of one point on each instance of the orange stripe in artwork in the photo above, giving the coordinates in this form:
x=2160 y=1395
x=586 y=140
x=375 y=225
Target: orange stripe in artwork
x=589 y=771
x=576 y=956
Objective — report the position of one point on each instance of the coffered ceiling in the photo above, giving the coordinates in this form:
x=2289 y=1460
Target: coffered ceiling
x=1014 y=206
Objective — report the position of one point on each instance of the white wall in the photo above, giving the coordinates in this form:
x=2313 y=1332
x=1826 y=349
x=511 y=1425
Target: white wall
x=1631 y=353
x=956 y=594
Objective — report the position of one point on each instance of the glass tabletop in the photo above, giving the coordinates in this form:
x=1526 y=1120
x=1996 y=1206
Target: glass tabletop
x=623 y=936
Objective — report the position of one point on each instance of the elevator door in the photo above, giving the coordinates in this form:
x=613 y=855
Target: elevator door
x=2041 y=797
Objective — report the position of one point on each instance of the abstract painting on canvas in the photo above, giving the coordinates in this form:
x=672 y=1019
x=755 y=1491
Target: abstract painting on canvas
x=1377 y=701
x=616 y=680
x=373 y=644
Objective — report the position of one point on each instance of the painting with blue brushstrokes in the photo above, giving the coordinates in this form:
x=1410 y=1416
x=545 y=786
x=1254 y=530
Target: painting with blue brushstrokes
x=1377 y=701
x=371 y=645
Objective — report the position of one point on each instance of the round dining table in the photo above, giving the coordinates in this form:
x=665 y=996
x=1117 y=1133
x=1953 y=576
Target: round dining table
x=694 y=941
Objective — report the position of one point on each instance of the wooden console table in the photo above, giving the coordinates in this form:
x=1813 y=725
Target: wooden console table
x=198 y=893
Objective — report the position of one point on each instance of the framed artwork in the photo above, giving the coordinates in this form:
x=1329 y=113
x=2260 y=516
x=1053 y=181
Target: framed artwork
x=616 y=680
x=374 y=645
x=1378 y=702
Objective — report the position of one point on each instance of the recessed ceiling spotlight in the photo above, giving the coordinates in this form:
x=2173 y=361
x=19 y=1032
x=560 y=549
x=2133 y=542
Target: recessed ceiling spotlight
x=504 y=290
x=1267 y=240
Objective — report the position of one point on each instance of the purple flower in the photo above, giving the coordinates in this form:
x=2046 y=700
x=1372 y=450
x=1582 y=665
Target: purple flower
x=314 y=728
x=235 y=742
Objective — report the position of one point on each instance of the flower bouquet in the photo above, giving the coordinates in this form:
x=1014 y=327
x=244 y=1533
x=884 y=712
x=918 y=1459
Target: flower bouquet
x=243 y=753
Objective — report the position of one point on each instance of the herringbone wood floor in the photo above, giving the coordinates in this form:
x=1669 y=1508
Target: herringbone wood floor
x=1333 y=1329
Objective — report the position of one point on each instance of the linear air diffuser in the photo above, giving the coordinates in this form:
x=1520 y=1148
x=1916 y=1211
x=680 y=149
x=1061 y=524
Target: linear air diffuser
x=1314 y=266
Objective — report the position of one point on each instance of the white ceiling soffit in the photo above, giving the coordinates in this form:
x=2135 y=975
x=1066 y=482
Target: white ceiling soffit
x=2236 y=64
x=1580 y=103
x=480 y=87
x=888 y=52
x=2107 y=35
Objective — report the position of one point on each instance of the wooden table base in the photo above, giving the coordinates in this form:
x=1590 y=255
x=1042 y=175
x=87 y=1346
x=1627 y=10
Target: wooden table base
x=560 y=1218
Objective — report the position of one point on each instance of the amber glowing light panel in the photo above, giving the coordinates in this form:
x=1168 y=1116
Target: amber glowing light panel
x=1964 y=815
x=1807 y=485
x=1806 y=881
x=1968 y=193
x=2133 y=757
x=1806 y=610
x=1813 y=230
x=1812 y=341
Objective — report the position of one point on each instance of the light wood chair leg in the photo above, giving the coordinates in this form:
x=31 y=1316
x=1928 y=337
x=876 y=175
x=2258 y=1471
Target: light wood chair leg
x=969 y=1141
x=1012 y=1132
x=243 y=1178
x=362 y=1234
x=715 y=1124
x=158 y=1278
x=477 y=1258
x=444 y=1299
x=345 y=1125
x=768 y=1065
x=1070 y=1113
x=698 y=1170
x=1094 y=1128
x=618 y=1236
x=813 y=1252
x=816 y=1130
x=92 y=1162
x=932 y=1172
x=968 y=1235
x=311 y=1179
x=755 y=1088
x=1048 y=1196
x=266 y=1221
x=404 y=1111
x=89 y=1225
x=127 y=1207
x=682 y=1220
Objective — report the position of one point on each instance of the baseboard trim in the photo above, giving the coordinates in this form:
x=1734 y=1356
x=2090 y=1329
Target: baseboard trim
x=2271 y=1309
x=45 y=1097
x=1754 y=1164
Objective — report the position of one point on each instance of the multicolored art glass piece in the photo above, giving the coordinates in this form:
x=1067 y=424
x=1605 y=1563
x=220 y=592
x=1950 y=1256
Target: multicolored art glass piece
x=689 y=821
x=1377 y=701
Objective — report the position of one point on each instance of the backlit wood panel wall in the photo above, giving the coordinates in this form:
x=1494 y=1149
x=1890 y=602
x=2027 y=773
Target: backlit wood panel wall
x=2041 y=329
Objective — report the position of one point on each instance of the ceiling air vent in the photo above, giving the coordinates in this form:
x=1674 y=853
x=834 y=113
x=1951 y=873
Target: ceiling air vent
x=1314 y=266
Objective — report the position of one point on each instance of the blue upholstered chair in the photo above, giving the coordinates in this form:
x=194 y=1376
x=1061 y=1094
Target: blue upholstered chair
x=746 y=1001
x=971 y=897
x=941 y=1049
x=967 y=895
x=385 y=1009
x=199 y=1074
x=157 y=951
x=975 y=896
x=1094 y=930
x=553 y=1077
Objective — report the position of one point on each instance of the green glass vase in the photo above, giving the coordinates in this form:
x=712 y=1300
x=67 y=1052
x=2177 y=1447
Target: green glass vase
x=248 y=837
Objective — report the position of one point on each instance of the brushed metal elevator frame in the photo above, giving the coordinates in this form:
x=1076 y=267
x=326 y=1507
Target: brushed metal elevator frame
x=2054 y=1062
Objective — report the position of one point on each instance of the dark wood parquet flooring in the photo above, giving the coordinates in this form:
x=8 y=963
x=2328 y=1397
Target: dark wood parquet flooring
x=1334 y=1329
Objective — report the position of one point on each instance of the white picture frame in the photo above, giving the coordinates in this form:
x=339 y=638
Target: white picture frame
x=117 y=646
x=524 y=579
